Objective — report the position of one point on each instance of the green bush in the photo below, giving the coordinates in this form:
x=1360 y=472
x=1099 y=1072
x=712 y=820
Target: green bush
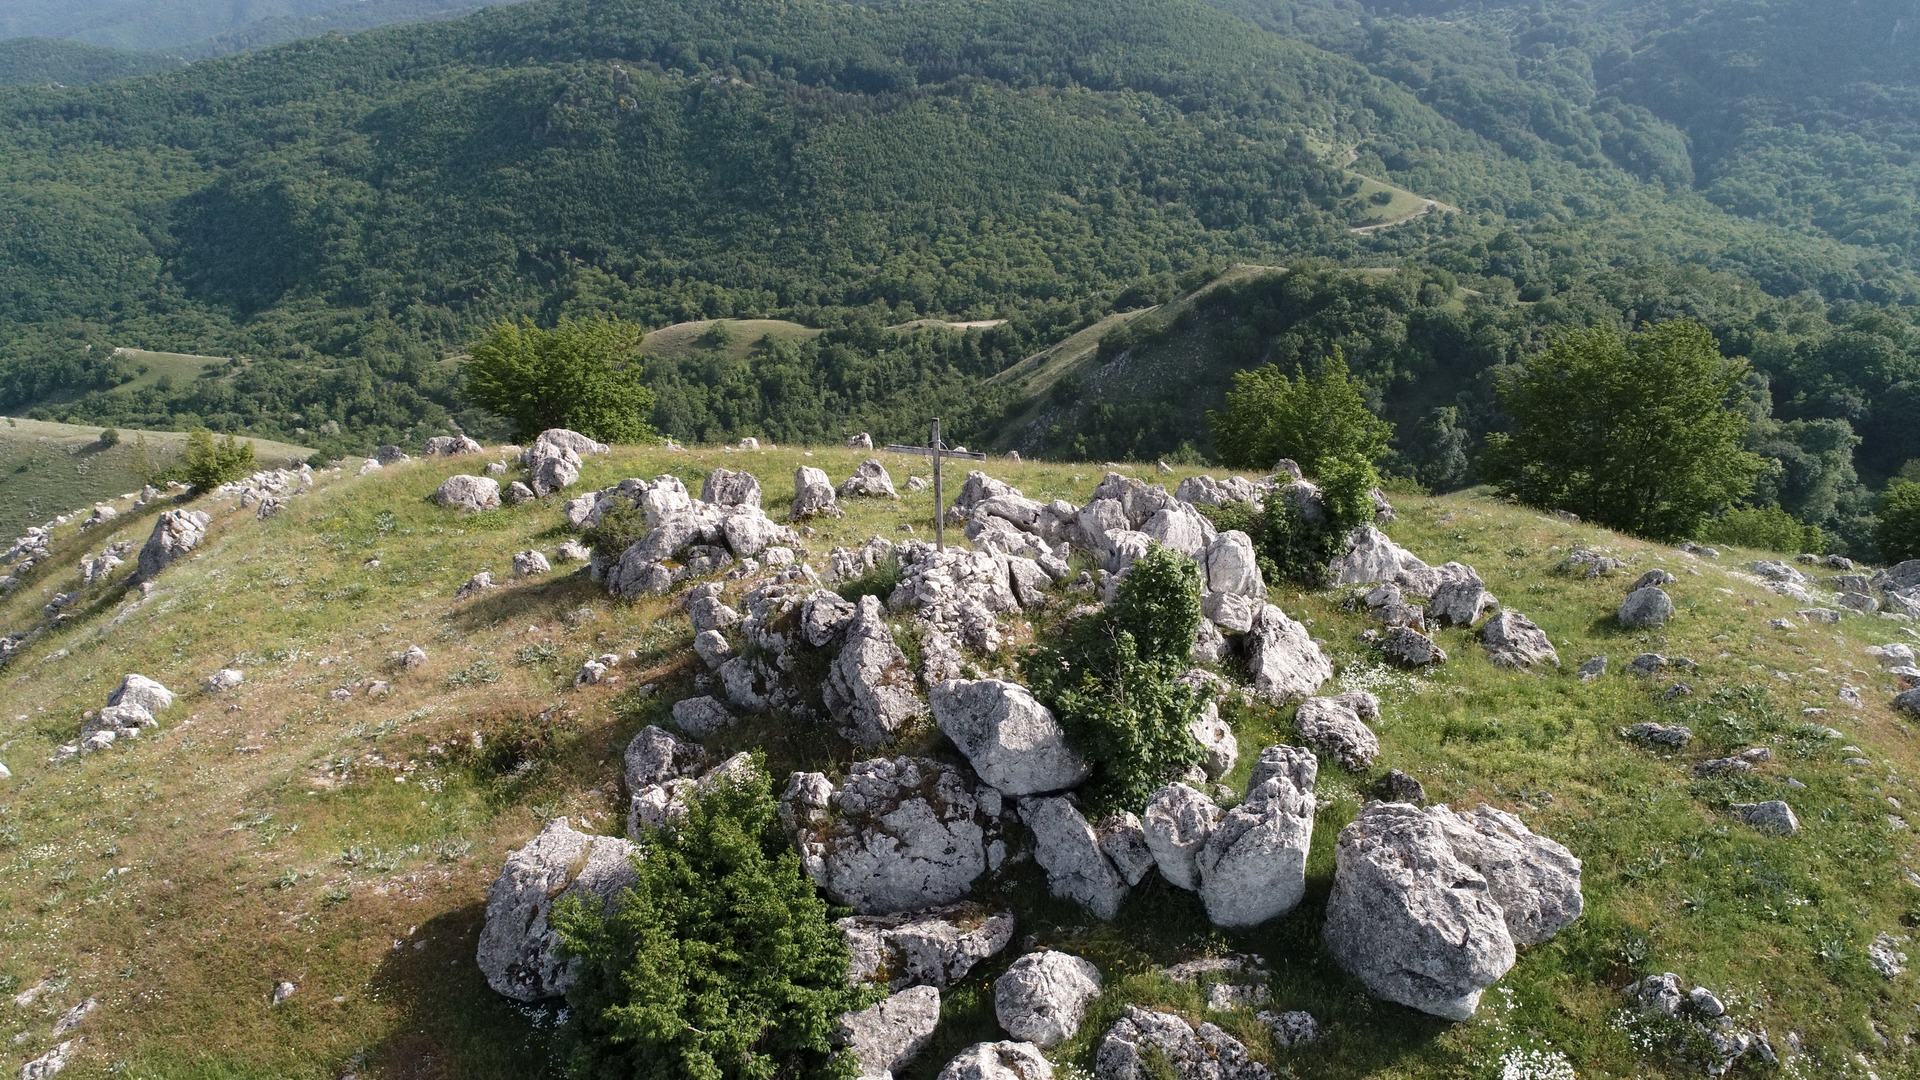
x=1290 y=547
x=206 y=464
x=622 y=524
x=1897 y=534
x=1314 y=419
x=1767 y=527
x=583 y=374
x=109 y=437
x=720 y=963
x=1114 y=682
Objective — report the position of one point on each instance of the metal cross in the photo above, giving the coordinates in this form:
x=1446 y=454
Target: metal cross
x=936 y=450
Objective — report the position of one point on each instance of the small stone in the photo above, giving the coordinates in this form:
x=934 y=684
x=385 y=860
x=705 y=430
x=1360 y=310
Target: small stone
x=1593 y=669
x=1773 y=816
x=282 y=991
x=1397 y=786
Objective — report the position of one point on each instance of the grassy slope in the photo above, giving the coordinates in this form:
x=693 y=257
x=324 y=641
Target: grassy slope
x=683 y=339
x=48 y=468
x=277 y=834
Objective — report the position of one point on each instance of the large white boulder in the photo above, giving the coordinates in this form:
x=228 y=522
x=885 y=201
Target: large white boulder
x=1068 y=849
x=1232 y=566
x=1337 y=727
x=518 y=945
x=888 y=1034
x=998 y=1061
x=1178 y=819
x=926 y=948
x=899 y=834
x=813 y=494
x=1253 y=866
x=1283 y=660
x=468 y=494
x=1043 y=996
x=1411 y=920
x=175 y=533
x=1012 y=741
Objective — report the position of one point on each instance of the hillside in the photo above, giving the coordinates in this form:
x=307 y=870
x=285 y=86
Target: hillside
x=320 y=828
x=48 y=468
x=198 y=28
x=818 y=162
x=40 y=61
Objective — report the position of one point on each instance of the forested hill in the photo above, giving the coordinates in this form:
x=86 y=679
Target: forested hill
x=341 y=213
x=69 y=63
x=1804 y=113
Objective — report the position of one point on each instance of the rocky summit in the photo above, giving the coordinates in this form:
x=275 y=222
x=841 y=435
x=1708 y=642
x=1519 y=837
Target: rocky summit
x=352 y=776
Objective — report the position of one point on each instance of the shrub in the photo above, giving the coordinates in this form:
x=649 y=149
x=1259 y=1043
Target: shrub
x=109 y=437
x=1114 y=682
x=622 y=524
x=1767 y=527
x=1314 y=419
x=1637 y=433
x=1897 y=534
x=205 y=464
x=582 y=374
x=1290 y=547
x=719 y=963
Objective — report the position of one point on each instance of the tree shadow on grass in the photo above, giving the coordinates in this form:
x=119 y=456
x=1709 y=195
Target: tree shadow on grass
x=453 y=1026
x=547 y=600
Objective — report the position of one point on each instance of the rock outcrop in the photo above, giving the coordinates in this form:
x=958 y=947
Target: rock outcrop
x=1177 y=821
x=899 y=834
x=1065 y=845
x=869 y=481
x=1513 y=641
x=1283 y=661
x=998 y=1061
x=1253 y=866
x=870 y=689
x=1144 y=1043
x=1337 y=727
x=929 y=948
x=174 y=534
x=517 y=951
x=888 y=1034
x=1012 y=741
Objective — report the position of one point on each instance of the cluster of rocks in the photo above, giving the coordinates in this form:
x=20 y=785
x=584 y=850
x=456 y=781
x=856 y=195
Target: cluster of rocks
x=176 y=533
x=1664 y=998
x=686 y=538
x=267 y=492
x=1411 y=598
x=133 y=705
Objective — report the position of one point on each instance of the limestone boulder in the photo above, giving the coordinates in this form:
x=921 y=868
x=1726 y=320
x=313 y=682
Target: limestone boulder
x=1068 y=849
x=1513 y=641
x=902 y=834
x=1043 y=997
x=1283 y=661
x=1148 y=1045
x=1647 y=607
x=1460 y=597
x=870 y=688
x=1337 y=727
x=813 y=494
x=1232 y=567
x=518 y=950
x=1535 y=881
x=1012 y=741
x=175 y=533
x=998 y=1061
x=1409 y=918
x=889 y=1034
x=1177 y=821
x=468 y=494
x=869 y=481
x=934 y=948
x=1253 y=866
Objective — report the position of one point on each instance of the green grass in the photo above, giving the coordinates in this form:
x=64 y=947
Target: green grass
x=267 y=834
x=48 y=468
x=684 y=339
x=1400 y=205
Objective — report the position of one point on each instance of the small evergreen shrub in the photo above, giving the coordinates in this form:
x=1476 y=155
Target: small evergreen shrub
x=206 y=464
x=720 y=963
x=109 y=437
x=1114 y=682
x=622 y=524
x=1767 y=527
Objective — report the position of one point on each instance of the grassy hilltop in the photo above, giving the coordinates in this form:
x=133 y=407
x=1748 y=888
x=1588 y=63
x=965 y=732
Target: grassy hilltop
x=276 y=833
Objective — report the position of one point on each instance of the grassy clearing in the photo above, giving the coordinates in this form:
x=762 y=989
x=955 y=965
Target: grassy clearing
x=1399 y=205
x=274 y=833
x=48 y=469
x=740 y=337
x=177 y=368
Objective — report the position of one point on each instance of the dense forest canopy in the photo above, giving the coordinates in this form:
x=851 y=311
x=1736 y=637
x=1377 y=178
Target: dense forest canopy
x=342 y=214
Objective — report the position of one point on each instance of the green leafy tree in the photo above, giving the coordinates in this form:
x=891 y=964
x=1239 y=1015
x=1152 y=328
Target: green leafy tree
x=720 y=963
x=583 y=374
x=109 y=437
x=1114 y=682
x=1314 y=419
x=1897 y=534
x=206 y=464
x=1290 y=545
x=1635 y=432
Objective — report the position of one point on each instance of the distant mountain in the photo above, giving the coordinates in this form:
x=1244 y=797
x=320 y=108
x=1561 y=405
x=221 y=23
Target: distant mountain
x=43 y=61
